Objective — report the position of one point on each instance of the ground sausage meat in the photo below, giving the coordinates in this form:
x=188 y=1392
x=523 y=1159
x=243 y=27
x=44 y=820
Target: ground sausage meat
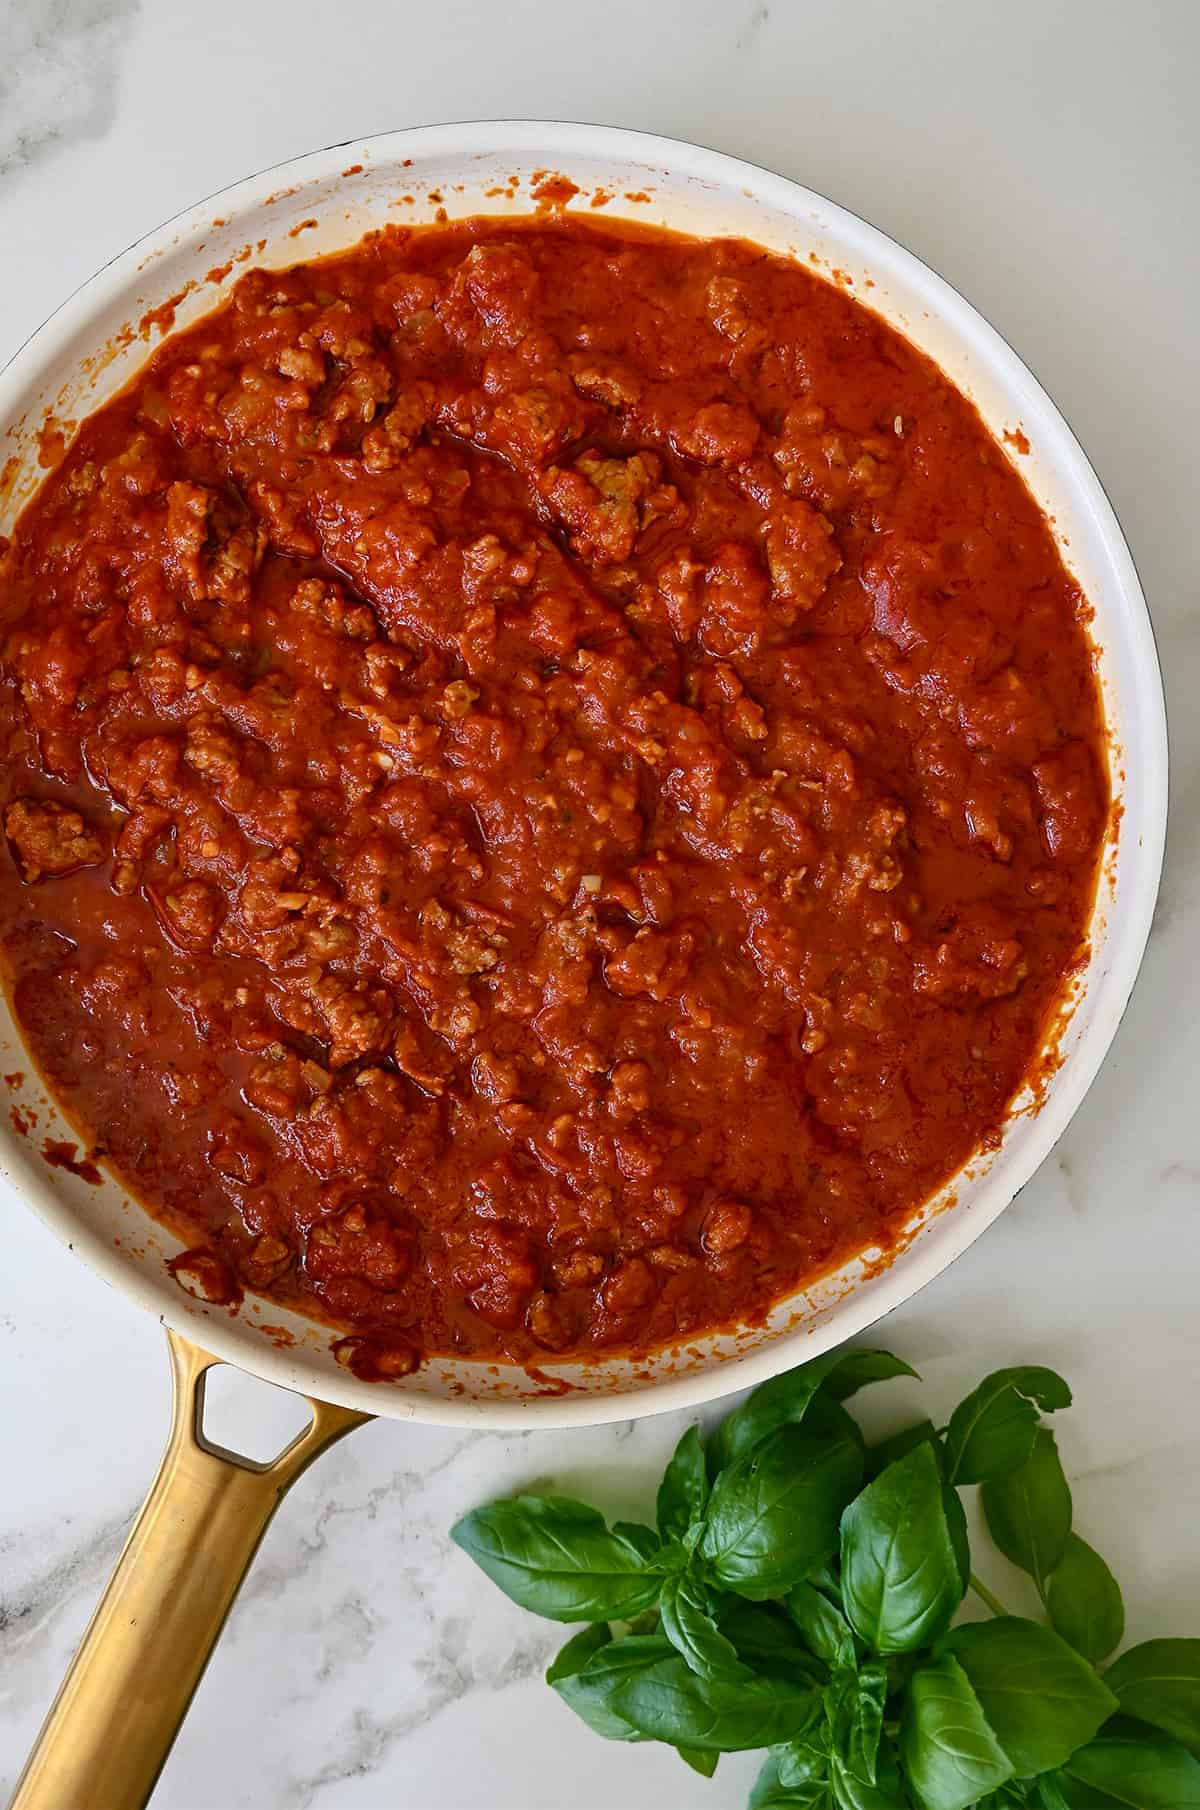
x=553 y=781
x=50 y=838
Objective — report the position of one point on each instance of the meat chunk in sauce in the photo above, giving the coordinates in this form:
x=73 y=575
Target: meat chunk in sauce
x=50 y=839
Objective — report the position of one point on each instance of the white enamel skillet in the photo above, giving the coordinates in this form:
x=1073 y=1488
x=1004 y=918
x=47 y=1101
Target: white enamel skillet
x=147 y=1646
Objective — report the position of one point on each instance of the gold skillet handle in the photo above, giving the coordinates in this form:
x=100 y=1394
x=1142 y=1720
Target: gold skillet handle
x=111 y=1727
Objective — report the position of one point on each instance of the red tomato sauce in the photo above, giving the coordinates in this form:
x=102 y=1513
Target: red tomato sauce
x=554 y=784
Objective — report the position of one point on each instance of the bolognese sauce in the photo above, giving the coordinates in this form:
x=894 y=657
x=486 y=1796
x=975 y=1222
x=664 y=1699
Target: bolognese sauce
x=554 y=781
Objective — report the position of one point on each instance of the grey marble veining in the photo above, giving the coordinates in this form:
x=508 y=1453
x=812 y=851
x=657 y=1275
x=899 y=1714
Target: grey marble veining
x=58 y=77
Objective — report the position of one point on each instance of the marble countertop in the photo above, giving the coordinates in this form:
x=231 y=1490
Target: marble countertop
x=1044 y=158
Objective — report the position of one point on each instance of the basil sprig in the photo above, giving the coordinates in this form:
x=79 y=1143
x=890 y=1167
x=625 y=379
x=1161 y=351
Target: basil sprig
x=799 y=1592
x=556 y=1556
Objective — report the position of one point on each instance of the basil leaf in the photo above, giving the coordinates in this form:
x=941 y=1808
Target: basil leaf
x=770 y=1793
x=589 y=1688
x=853 y=1792
x=900 y=1668
x=1041 y=1700
x=854 y=1704
x=1028 y=1511
x=866 y=1725
x=767 y=1639
x=858 y=1369
x=824 y=1577
x=923 y=1432
x=900 y=1576
x=781 y=1402
x=683 y=1491
x=786 y=1399
x=992 y=1431
x=829 y=1418
x=1159 y=1683
x=1084 y=1601
x=694 y=1634
x=805 y=1761
x=572 y=1657
x=1015 y=1792
x=1070 y=1794
x=956 y=1526
x=556 y=1557
x=825 y=1629
x=668 y=1702
x=1135 y=1766
x=645 y=1542
x=950 y=1754
x=703 y=1763
x=773 y=1514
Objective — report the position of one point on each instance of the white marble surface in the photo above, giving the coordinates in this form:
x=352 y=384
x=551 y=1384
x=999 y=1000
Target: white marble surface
x=1045 y=156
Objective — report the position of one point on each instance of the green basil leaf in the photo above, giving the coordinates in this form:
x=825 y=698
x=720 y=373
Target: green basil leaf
x=868 y=1696
x=1084 y=1601
x=900 y=1575
x=858 y=1369
x=589 y=1690
x=825 y=1629
x=950 y=1754
x=1016 y=1792
x=1072 y=1795
x=900 y=1668
x=898 y=1445
x=1058 y=1792
x=770 y=1793
x=1028 y=1511
x=854 y=1705
x=703 y=1763
x=960 y=1539
x=825 y=1578
x=650 y=1549
x=853 y=1792
x=805 y=1761
x=1041 y=1700
x=572 y=1657
x=683 y=1491
x=767 y=1639
x=556 y=1557
x=786 y=1399
x=773 y=1513
x=1159 y=1683
x=694 y=1634
x=992 y=1431
x=1134 y=1766
x=781 y=1402
x=668 y=1702
x=828 y=1417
